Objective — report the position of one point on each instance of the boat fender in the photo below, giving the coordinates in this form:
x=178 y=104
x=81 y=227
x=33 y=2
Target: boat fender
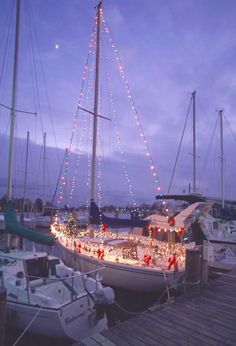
x=18 y=282
x=19 y=275
x=104 y=295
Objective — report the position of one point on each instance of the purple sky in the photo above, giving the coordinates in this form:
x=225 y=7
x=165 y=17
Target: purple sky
x=169 y=48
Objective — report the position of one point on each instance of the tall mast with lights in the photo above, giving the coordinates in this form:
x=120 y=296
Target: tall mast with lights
x=13 y=103
x=96 y=98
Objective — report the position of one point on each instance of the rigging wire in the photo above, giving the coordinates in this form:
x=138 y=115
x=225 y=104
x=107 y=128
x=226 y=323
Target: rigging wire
x=181 y=140
x=213 y=169
x=147 y=152
x=209 y=149
x=116 y=128
x=44 y=80
x=75 y=121
x=231 y=130
x=83 y=120
x=32 y=64
x=7 y=27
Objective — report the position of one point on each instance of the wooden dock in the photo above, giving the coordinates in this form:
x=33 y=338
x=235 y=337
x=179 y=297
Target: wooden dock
x=200 y=316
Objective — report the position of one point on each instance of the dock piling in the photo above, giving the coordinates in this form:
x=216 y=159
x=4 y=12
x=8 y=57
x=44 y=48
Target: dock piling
x=3 y=294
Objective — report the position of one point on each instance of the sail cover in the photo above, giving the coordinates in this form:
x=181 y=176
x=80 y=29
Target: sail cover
x=13 y=226
x=96 y=217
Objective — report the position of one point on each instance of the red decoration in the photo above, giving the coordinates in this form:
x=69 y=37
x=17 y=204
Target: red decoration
x=100 y=254
x=173 y=262
x=147 y=260
x=171 y=221
x=104 y=227
x=155 y=231
x=79 y=248
x=181 y=230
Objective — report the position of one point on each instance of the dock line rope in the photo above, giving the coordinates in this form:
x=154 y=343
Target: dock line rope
x=157 y=302
x=28 y=326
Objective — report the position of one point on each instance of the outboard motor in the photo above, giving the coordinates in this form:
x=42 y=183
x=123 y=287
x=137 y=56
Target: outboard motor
x=104 y=297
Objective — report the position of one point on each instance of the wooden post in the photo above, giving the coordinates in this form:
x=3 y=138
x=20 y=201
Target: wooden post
x=3 y=295
x=204 y=261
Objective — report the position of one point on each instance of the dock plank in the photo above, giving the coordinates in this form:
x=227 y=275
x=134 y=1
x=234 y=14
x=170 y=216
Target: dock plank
x=200 y=316
x=141 y=335
x=181 y=333
x=212 y=322
x=156 y=331
x=102 y=340
x=213 y=313
x=186 y=323
x=169 y=331
x=115 y=337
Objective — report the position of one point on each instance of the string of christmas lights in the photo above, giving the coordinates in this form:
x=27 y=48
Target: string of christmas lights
x=74 y=123
x=85 y=119
x=123 y=248
x=117 y=131
x=133 y=107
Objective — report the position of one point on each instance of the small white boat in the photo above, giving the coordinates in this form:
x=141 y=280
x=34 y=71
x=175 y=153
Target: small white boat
x=58 y=301
x=28 y=222
x=217 y=230
x=42 y=221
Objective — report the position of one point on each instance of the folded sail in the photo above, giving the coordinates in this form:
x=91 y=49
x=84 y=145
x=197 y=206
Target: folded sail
x=12 y=225
x=96 y=217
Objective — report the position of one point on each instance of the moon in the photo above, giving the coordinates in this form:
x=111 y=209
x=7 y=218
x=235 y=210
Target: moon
x=57 y=46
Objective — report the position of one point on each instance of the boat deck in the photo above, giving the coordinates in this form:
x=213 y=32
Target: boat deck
x=200 y=316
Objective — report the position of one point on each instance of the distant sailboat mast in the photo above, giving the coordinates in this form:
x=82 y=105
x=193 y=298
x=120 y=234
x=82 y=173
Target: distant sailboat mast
x=44 y=166
x=222 y=157
x=194 y=141
x=13 y=103
x=25 y=177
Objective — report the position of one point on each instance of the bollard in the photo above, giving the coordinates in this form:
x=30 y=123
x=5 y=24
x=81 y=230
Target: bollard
x=3 y=295
x=193 y=266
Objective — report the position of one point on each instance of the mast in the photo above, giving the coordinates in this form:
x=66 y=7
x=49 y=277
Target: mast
x=96 y=98
x=13 y=103
x=222 y=157
x=25 y=176
x=59 y=176
x=44 y=163
x=194 y=141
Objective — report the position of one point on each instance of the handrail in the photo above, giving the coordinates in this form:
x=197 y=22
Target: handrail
x=60 y=278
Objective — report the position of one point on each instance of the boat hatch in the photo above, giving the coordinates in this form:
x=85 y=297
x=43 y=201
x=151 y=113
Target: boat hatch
x=37 y=267
x=53 y=263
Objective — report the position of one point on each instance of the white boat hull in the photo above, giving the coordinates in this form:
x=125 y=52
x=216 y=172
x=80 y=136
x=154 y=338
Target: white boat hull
x=135 y=278
x=70 y=322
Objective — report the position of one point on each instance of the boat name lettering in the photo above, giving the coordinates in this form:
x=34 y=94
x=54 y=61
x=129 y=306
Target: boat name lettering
x=73 y=318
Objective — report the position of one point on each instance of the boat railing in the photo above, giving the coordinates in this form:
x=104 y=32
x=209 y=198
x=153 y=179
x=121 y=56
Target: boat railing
x=68 y=281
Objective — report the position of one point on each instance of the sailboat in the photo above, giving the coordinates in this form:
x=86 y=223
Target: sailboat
x=219 y=233
x=44 y=296
x=130 y=261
